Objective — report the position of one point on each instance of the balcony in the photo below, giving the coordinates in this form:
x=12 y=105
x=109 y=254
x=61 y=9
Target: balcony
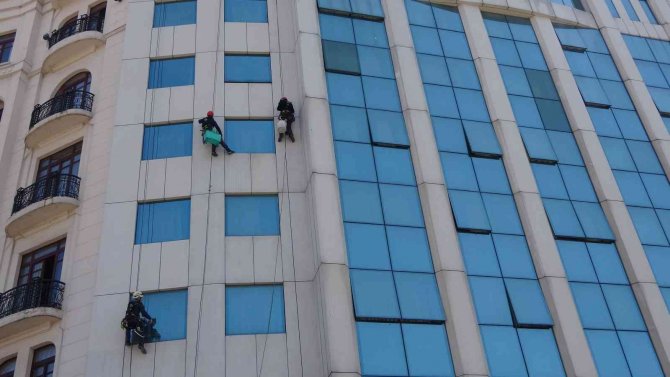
x=73 y=41
x=61 y=114
x=30 y=305
x=43 y=201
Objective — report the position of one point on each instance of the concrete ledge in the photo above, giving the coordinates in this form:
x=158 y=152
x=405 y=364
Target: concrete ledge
x=39 y=213
x=57 y=124
x=72 y=48
x=28 y=319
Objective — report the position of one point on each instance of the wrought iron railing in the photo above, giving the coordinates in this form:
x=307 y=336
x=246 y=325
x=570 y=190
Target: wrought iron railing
x=83 y=23
x=76 y=99
x=38 y=293
x=63 y=185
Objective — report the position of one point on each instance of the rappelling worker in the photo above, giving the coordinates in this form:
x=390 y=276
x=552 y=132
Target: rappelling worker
x=138 y=323
x=287 y=114
x=211 y=133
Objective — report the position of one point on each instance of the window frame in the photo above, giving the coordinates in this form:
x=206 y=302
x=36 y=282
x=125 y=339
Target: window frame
x=43 y=363
x=7 y=44
x=68 y=156
x=29 y=261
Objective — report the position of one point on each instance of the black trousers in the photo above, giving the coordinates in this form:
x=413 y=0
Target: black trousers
x=224 y=145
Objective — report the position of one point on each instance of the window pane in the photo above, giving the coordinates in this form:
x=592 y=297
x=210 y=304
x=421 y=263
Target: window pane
x=617 y=154
x=463 y=73
x=471 y=105
x=374 y=294
x=355 y=161
x=661 y=98
x=537 y=144
x=252 y=215
x=541 y=84
x=366 y=246
x=174 y=140
x=426 y=41
x=247 y=68
x=552 y=114
x=401 y=205
x=644 y=156
x=255 y=309
x=563 y=218
x=441 y=101
x=575 y=258
x=580 y=64
x=454 y=44
x=345 y=90
x=490 y=300
x=478 y=254
x=250 y=136
x=569 y=36
x=591 y=306
x=381 y=94
x=449 y=135
x=515 y=81
x=419 y=13
x=640 y=354
x=591 y=90
x=647 y=226
x=469 y=210
x=409 y=249
x=394 y=165
x=617 y=94
x=604 y=122
x=527 y=302
x=174 y=13
x=169 y=308
x=342 y=5
x=593 y=221
x=623 y=307
x=502 y=214
x=604 y=66
x=369 y=7
x=505 y=52
x=163 y=221
x=349 y=124
x=607 y=353
x=418 y=296
x=549 y=181
x=565 y=147
x=541 y=353
x=531 y=56
x=659 y=259
x=427 y=350
x=607 y=263
x=171 y=72
x=514 y=256
x=447 y=18
x=459 y=172
x=433 y=69
x=526 y=112
x=376 y=62
x=578 y=183
x=388 y=127
x=340 y=57
x=335 y=28
x=491 y=175
x=632 y=189
x=246 y=11
x=370 y=33
x=380 y=346
x=481 y=138
x=503 y=351
x=360 y=202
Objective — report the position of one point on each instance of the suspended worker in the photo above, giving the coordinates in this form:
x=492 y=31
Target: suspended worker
x=211 y=133
x=138 y=323
x=286 y=113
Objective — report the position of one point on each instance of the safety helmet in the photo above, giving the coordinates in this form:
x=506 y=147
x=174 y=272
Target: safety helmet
x=138 y=295
x=210 y=113
x=284 y=99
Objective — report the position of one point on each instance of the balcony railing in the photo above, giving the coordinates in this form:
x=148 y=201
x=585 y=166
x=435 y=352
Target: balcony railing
x=83 y=23
x=76 y=99
x=57 y=185
x=38 y=293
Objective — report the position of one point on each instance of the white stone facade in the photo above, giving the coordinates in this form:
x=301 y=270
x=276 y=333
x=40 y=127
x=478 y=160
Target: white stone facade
x=102 y=264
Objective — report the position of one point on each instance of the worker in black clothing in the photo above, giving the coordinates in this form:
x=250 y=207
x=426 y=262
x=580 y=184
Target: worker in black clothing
x=208 y=123
x=138 y=323
x=286 y=112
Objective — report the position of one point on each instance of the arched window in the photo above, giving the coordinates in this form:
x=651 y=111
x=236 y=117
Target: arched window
x=96 y=16
x=44 y=360
x=7 y=368
x=69 y=26
x=80 y=81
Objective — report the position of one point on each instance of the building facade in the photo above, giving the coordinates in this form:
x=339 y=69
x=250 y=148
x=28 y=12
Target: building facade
x=476 y=188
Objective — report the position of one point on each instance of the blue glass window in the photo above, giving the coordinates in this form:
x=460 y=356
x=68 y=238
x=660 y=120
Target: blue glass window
x=387 y=127
x=441 y=101
x=349 y=124
x=631 y=188
x=644 y=157
x=640 y=354
x=647 y=226
x=607 y=264
x=469 y=211
x=541 y=84
x=454 y=44
x=247 y=68
x=491 y=175
x=367 y=247
x=591 y=91
x=165 y=73
x=361 y=202
x=167 y=141
x=481 y=139
x=427 y=305
x=255 y=309
x=591 y=306
x=345 y=90
x=250 y=136
x=341 y=57
x=381 y=94
x=515 y=81
x=549 y=181
x=471 y=105
x=381 y=350
x=623 y=307
x=174 y=13
x=659 y=259
x=538 y=145
x=490 y=301
x=163 y=221
x=409 y=249
x=479 y=254
x=449 y=135
x=502 y=214
x=433 y=69
x=575 y=258
x=463 y=73
x=374 y=294
x=426 y=347
x=256 y=215
x=527 y=302
x=577 y=183
x=355 y=161
x=565 y=147
x=458 y=171
x=375 y=61
x=246 y=11
x=541 y=353
x=503 y=351
x=170 y=310
x=401 y=205
x=370 y=33
x=593 y=221
x=563 y=218
x=607 y=353
x=394 y=165
x=604 y=66
x=334 y=28
x=514 y=256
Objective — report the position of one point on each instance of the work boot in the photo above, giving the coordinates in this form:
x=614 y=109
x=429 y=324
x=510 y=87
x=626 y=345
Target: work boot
x=141 y=347
x=230 y=151
x=281 y=137
x=215 y=154
x=290 y=136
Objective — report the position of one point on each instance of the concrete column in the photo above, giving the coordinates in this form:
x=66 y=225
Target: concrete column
x=337 y=311
x=630 y=249
x=570 y=336
x=462 y=327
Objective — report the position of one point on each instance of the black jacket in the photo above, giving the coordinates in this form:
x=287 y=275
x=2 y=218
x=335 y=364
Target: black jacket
x=209 y=123
x=285 y=106
x=134 y=311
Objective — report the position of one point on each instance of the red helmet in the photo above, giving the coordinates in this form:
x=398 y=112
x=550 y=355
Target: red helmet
x=210 y=113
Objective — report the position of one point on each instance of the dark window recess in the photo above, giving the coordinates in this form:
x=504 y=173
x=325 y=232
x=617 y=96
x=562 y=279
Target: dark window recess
x=45 y=263
x=94 y=21
x=7 y=368
x=44 y=360
x=80 y=81
x=6 y=44
x=65 y=161
x=341 y=57
x=73 y=94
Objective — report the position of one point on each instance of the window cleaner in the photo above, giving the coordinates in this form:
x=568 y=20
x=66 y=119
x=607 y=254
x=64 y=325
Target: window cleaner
x=211 y=133
x=285 y=119
x=138 y=323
